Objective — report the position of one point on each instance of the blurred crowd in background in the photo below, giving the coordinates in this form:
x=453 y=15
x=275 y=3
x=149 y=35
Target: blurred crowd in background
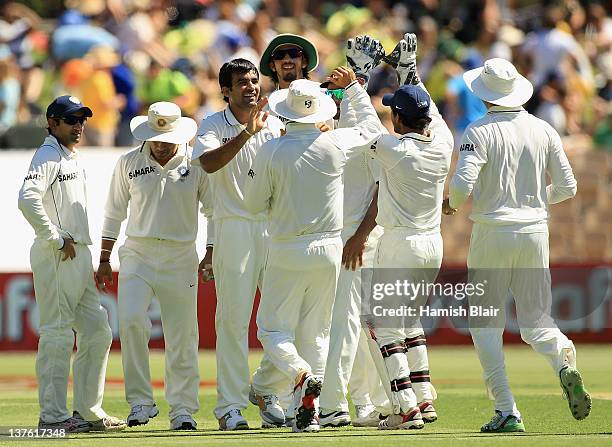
x=119 y=56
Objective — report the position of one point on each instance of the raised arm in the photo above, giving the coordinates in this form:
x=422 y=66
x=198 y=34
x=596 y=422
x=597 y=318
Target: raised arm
x=213 y=154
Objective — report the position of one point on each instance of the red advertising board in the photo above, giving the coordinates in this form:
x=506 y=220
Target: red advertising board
x=582 y=296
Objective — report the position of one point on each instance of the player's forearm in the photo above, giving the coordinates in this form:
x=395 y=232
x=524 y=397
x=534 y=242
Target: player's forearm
x=369 y=220
x=558 y=193
x=215 y=159
x=106 y=249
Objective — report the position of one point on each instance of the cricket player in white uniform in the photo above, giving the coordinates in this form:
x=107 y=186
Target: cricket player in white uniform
x=504 y=159
x=349 y=362
x=53 y=199
x=414 y=168
x=227 y=143
x=298 y=180
x=163 y=187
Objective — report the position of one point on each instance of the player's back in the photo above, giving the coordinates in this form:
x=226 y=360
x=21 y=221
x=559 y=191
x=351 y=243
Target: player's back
x=511 y=187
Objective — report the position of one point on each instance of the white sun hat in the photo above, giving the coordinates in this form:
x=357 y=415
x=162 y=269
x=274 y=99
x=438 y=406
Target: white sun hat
x=164 y=123
x=303 y=102
x=498 y=82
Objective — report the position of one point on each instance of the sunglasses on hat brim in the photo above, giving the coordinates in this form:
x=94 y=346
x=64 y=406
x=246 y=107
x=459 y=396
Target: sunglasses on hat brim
x=292 y=52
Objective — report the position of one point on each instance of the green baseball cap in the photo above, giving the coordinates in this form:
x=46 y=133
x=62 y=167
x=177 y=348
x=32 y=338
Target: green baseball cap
x=285 y=39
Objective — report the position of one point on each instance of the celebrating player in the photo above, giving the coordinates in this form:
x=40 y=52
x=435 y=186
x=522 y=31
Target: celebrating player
x=162 y=187
x=226 y=144
x=298 y=180
x=54 y=202
x=503 y=159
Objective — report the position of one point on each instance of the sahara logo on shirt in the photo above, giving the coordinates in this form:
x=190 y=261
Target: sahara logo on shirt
x=66 y=177
x=32 y=176
x=466 y=147
x=142 y=171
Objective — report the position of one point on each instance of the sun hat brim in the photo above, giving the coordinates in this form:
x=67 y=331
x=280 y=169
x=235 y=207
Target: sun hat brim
x=184 y=131
x=523 y=89
x=285 y=39
x=278 y=105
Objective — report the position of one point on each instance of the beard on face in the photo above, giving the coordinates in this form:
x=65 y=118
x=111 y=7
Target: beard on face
x=290 y=76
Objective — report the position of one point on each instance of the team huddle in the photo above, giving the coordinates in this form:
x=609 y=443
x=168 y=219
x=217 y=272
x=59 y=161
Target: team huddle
x=305 y=192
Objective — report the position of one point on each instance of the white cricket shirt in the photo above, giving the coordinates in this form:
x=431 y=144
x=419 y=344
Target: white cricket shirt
x=298 y=177
x=53 y=197
x=163 y=201
x=228 y=182
x=413 y=171
x=504 y=158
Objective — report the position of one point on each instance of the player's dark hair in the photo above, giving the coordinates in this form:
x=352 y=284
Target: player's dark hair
x=416 y=124
x=238 y=66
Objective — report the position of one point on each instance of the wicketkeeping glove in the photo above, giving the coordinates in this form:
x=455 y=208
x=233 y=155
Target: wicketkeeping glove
x=403 y=59
x=363 y=54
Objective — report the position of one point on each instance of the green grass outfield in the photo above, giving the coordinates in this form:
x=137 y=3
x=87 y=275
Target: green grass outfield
x=462 y=407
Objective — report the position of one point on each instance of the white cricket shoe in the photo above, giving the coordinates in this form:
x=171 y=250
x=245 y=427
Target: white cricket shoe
x=311 y=427
x=362 y=411
x=409 y=421
x=334 y=419
x=306 y=399
x=140 y=414
x=107 y=423
x=372 y=419
x=233 y=420
x=183 y=422
x=428 y=412
x=272 y=414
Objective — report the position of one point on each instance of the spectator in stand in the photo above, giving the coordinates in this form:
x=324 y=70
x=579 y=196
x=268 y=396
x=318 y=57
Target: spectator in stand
x=99 y=92
x=125 y=85
x=551 y=97
x=10 y=91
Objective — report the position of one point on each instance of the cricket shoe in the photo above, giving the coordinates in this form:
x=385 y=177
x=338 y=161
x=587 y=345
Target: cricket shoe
x=70 y=425
x=503 y=424
x=409 y=421
x=372 y=419
x=305 y=397
x=141 y=414
x=108 y=423
x=428 y=412
x=574 y=391
x=362 y=411
x=183 y=422
x=233 y=420
x=334 y=419
x=312 y=426
x=272 y=414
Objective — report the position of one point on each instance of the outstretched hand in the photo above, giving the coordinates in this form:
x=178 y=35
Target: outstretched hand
x=403 y=58
x=364 y=53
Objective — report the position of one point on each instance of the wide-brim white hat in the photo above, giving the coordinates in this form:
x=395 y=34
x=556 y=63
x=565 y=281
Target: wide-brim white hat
x=498 y=82
x=164 y=123
x=303 y=102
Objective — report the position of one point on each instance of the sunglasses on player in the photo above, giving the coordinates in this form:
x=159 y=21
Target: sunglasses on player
x=293 y=53
x=71 y=120
x=337 y=93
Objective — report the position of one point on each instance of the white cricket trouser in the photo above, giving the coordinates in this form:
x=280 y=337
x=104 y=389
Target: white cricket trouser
x=67 y=299
x=419 y=256
x=517 y=263
x=169 y=271
x=295 y=312
x=238 y=262
x=344 y=366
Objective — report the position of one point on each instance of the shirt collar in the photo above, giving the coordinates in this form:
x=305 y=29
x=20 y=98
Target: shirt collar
x=229 y=117
x=497 y=109
x=292 y=126
x=55 y=142
x=417 y=137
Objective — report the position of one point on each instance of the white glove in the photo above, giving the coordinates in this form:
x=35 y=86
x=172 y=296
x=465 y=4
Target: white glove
x=363 y=54
x=403 y=59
